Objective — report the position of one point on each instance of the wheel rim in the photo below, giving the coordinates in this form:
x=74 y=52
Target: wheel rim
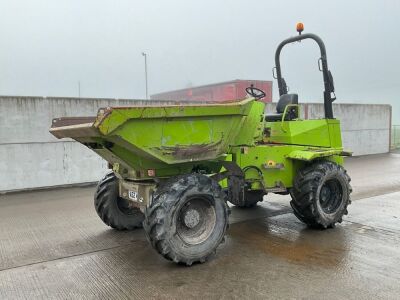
x=196 y=220
x=125 y=206
x=330 y=196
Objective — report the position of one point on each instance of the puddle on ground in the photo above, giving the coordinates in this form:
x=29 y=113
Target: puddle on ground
x=296 y=245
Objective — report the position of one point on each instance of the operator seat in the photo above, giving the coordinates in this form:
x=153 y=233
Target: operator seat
x=291 y=113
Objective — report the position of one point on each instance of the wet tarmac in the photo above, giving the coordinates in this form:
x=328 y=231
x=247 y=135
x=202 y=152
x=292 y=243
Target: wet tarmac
x=53 y=245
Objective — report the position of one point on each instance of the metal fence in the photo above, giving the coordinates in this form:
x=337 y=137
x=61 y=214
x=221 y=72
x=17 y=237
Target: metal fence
x=395 y=137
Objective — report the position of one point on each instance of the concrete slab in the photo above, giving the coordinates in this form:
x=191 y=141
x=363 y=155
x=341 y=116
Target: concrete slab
x=53 y=245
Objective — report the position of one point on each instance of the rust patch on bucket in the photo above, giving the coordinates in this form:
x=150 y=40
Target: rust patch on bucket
x=188 y=151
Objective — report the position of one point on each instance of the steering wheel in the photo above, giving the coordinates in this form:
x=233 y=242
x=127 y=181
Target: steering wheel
x=255 y=92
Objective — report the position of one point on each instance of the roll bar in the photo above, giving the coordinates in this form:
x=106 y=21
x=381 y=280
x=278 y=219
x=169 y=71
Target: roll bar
x=329 y=92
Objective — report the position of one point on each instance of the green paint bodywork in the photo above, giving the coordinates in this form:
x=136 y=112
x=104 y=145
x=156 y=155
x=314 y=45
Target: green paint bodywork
x=179 y=139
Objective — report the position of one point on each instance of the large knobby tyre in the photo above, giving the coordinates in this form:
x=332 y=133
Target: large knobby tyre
x=187 y=218
x=321 y=194
x=113 y=210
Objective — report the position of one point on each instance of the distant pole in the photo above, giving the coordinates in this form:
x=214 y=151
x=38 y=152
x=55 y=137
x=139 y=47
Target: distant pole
x=79 y=88
x=145 y=74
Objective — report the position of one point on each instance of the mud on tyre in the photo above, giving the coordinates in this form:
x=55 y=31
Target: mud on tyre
x=113 y=210
x=321 y=194
x=187 y=218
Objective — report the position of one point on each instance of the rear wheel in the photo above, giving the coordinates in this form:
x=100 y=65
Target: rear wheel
x=113 y=210
x=321 y=194
x=187 y=218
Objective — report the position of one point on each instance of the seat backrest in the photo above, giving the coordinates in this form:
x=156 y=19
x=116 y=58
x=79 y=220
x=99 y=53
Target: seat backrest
x=284 y=100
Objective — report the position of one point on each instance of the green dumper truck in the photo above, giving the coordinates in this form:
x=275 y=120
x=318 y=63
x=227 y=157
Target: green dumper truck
x=176 y=167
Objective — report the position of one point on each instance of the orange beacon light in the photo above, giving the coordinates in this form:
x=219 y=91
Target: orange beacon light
x=299 y=27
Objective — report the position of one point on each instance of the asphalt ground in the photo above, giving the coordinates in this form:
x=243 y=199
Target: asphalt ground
x=54 y=246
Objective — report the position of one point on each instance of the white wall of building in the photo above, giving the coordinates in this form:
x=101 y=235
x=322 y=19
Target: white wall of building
x=30 y=157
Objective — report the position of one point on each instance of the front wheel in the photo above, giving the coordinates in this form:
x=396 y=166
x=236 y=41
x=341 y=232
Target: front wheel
x=187 y=218
x=321 y=194
x=113 y=210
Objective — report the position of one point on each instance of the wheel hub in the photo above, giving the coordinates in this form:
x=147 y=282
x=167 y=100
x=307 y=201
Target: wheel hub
x=330 y=196
x=325 y=192
x=196 y=220
x=191 y=218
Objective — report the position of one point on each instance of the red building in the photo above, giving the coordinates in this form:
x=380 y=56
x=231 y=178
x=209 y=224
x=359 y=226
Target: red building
x=224 y=91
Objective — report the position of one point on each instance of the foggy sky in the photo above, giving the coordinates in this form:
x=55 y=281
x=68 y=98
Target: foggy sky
x=48 y=46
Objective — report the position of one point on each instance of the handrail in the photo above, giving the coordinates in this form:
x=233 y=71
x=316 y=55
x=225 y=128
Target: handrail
x=327 y=77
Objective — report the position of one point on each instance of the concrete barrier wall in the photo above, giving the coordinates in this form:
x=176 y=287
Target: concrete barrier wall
x=365 y=127
x=30 y=157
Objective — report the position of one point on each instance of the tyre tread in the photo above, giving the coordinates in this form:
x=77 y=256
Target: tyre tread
x=304 y=193
x=154 y=225
x=104 y=197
